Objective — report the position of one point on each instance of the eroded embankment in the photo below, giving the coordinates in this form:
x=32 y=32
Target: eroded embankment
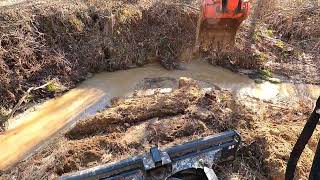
x=66 y=40
x=133 y=125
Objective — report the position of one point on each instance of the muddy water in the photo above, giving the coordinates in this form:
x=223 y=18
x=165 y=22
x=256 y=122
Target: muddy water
x=28 y=132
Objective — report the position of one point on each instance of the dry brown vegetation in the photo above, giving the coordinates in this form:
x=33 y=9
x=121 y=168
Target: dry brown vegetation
x=281 y=37
x=135 y=124
x=294 y=25
x=66 y=40
x=43 y=40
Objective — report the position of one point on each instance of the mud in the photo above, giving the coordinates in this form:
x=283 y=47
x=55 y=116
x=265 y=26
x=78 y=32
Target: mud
x=65 y=40
x=36 y=127
x=157 y=106
x=269 y=131
x=69 y=41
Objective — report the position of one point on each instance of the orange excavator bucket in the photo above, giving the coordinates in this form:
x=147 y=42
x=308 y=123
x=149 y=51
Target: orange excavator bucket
x=218 y=23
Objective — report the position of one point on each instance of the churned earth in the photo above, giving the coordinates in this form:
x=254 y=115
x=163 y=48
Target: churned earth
x=65 y=42
x=133 y=125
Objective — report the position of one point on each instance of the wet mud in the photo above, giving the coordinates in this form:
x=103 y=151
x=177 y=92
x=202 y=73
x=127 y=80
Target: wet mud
x=133 y=125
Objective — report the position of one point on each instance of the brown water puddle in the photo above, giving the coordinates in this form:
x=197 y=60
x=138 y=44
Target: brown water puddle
x=32 y=129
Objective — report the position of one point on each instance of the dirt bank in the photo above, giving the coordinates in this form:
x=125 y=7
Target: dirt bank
x=135 y=124
x=291 y=39
x=280 y=37
x=67 y=40
x=63 y=40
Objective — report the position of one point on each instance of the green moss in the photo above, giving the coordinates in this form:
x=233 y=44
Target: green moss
x=30 y=97
x=263 y=56
x=76 y=23
x=265 y=73
x=262 y=33
x=258 y=81
x=269 y=33
x=297 y=53
x=274 y=80
x=256 y=35
x=55 y=86
x=223 y=98
x=280 y=44
x=52 y=87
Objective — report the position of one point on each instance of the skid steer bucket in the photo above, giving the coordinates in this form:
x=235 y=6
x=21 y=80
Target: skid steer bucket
x=218 y=23
x=192 y=160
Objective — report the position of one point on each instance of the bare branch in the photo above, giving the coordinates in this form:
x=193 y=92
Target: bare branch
x=26 y=94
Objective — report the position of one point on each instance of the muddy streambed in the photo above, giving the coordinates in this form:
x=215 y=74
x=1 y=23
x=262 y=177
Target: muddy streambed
x=30 y=130
x=105 y=86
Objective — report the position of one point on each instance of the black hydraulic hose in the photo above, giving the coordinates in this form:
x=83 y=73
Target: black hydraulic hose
x=224 y=5
x=302 y=141
x=315 y=169
x=238 y=10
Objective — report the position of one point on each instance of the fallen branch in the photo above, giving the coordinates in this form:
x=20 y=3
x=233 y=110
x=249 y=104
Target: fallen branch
x=26 y=94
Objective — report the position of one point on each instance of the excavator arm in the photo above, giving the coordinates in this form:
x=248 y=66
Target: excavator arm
x=218 y=23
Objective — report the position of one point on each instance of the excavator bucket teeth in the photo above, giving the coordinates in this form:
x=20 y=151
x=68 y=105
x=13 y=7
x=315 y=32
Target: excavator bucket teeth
x=216 y=38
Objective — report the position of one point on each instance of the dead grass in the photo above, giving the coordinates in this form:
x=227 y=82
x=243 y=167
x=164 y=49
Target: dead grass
x=133 y=125
x=68 y=40
x=297 y=21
